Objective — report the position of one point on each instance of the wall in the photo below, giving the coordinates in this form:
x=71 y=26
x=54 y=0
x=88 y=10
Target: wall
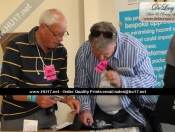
x=81 y=15
x=96 y=11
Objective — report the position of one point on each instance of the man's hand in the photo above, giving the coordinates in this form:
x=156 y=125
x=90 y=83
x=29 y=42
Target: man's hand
x=73 y=104
x=44 y=101
x=114 y=78
x=86 y=118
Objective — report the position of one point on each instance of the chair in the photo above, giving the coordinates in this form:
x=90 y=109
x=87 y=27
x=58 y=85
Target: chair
x=5 y=39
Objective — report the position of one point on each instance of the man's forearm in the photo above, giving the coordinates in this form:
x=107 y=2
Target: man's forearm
x=20 y=97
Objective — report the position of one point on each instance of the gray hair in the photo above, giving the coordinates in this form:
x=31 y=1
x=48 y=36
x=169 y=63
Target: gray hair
x=101 y=43
x=51 y=16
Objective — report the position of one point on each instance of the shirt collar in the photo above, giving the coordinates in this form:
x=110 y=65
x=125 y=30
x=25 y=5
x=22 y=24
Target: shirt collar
x=116 y=54
x=31 y=36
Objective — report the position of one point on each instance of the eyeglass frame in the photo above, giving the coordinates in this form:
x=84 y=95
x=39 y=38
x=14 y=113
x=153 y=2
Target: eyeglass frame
x=103 y=32
x=54 y=33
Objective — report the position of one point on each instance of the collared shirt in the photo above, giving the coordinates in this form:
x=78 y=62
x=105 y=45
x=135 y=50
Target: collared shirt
x=132 y=63
x=21 y=65
x=22 y=62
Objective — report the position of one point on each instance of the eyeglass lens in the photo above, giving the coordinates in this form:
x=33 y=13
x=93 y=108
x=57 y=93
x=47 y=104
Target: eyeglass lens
x=106 y=34
x=66 y=33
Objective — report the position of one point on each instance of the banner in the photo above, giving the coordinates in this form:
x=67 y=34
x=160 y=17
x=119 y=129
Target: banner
x=155 y=36
x=86 y=91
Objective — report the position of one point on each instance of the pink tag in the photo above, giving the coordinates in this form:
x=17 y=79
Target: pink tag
x=50 y=72
x=101 y=66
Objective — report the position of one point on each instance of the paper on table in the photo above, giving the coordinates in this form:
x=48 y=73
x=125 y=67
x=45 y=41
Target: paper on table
x=61 y=126
x=128 y=129
x=30 y=126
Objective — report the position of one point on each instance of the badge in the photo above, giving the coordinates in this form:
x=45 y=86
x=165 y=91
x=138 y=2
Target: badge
x=101 y=66
x=50 y=73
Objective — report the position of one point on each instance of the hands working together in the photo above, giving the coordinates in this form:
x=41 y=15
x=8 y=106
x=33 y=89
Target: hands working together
x=46 y=101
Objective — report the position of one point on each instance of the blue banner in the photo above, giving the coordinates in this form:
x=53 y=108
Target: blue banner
x=155 y=36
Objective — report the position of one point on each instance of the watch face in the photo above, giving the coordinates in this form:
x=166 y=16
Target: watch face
x=56 y=97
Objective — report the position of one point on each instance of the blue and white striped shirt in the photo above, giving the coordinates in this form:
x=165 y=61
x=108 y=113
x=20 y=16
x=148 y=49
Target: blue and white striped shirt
x=132 y=63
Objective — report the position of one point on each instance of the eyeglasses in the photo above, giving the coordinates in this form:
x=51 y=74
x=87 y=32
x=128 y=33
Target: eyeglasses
x=106 y=34
x=61 y=35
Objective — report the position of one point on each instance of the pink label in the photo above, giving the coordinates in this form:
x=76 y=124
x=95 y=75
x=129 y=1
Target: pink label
x=50 y=72
x=101 y=66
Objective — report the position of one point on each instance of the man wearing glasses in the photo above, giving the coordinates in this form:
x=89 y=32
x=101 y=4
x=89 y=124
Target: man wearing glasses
x=36 y=59
x=111 y=59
